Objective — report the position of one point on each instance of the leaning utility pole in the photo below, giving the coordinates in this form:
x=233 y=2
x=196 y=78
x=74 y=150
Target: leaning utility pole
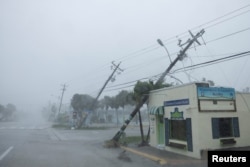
x=180 y=56
x=63 y=89
x=116 y=67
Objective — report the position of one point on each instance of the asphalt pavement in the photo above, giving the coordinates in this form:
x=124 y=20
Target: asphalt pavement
x=37 y=144
x=25 y=145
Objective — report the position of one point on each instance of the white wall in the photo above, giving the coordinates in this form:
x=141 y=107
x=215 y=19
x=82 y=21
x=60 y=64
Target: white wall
x=243 y=108
x=201 y=121
x=242 y=112
x=158 y=97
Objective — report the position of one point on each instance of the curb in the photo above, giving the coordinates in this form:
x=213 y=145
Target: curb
x=151 y=157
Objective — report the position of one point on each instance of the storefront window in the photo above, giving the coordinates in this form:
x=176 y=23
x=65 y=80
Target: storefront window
x=178 y=129
x=225 y=127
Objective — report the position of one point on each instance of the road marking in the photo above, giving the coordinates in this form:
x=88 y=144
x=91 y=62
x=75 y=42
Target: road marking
x=6 y=153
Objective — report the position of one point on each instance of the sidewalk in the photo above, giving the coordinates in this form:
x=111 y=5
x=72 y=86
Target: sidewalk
x=163 y=157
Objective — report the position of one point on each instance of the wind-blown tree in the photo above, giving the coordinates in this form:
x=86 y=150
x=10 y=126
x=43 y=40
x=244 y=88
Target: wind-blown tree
x=131 y=99
x=103 y=106
x=2 y=110
x=107 y=101
x=141 y=89
x=82 y=103
x=11 y=108
x=7 y=112
x=115 y=105
x=122 y=98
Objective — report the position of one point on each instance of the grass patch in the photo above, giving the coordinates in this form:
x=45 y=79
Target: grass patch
x=60 y=126
x=66 y=126
x=131 y=139
x=92 y=128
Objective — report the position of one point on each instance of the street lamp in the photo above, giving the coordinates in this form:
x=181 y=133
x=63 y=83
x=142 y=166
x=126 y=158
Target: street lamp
x=161 y=43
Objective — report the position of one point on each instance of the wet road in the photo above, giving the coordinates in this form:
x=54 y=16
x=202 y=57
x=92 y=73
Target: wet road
x=36 y=144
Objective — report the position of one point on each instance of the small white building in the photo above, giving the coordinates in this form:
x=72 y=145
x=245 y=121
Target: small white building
x=193 y=118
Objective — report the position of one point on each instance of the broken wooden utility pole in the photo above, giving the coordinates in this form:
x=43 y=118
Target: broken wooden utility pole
x=116 y=67
x=63 y=89
x=180 y=56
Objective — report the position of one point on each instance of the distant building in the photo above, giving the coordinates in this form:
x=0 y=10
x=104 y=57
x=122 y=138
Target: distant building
x=193 y=118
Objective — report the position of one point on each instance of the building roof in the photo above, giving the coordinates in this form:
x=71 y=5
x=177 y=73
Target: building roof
x=177 y=86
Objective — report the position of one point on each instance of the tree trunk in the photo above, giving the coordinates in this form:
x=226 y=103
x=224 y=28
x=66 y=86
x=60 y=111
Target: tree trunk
x=143 y=142
x=117 y=119
x=141 y=127
x=124 y=126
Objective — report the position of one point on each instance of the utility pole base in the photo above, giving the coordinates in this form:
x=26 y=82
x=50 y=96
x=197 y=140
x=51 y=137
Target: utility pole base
x=111 y=144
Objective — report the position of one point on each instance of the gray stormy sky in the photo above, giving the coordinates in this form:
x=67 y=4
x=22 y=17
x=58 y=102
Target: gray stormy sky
x=46 y=43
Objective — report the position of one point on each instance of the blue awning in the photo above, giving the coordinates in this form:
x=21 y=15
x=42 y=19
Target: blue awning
x=156 y=110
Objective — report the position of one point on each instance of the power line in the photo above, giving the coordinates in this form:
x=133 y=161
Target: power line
x=208 y=42
x=221 y=37
x=239 y=55
x=134 y=81
x=140 y=52
x=184 y=34
x=227 y=19
x=184 y=68
x=216 y=21
x=228 y=35
x=225 y=15
x=109 y=90
x=195 y=66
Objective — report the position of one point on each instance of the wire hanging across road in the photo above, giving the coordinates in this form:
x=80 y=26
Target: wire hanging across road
x=235 y=56
x=212 y=23
x=226 y=17
x=195 y=66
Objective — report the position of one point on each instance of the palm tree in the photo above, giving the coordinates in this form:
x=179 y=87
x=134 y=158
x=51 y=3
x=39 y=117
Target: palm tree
x=140 y=90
